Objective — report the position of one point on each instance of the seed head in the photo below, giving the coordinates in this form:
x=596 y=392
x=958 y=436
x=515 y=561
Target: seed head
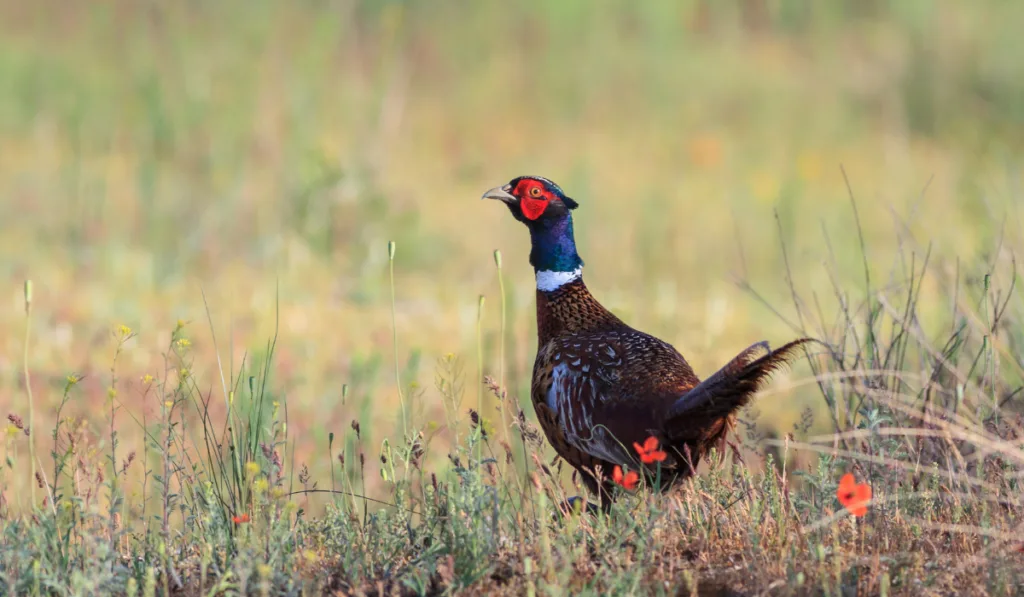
x=417 y=453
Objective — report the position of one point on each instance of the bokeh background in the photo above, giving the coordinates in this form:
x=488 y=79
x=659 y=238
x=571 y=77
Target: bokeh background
x=151 y=152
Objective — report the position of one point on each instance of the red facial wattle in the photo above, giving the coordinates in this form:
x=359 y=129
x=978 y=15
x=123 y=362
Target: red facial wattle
x=533 y=208
x=533 y=198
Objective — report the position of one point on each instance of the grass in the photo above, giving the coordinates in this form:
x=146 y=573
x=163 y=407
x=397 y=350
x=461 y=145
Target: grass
x=226 y=508
x=278 y=204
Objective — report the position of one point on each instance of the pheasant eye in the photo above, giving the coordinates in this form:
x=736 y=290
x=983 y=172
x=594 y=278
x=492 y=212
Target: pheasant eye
x=535 y=192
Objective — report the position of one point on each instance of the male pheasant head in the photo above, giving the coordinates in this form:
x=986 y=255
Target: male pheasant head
x=533 y=198
x=544 y=208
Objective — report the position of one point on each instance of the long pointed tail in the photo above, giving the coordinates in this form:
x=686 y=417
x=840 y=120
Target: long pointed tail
x=727 y=390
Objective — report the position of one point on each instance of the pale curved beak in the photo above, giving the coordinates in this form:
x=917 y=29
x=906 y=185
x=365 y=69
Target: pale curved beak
x=501 y=194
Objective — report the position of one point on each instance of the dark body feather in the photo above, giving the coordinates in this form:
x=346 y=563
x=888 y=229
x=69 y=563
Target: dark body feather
x=600 y=385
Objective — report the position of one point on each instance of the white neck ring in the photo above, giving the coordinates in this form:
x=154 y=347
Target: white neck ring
x=549 y=280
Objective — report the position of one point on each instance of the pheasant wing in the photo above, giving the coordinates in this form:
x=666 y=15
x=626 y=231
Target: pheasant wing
x=576 y=398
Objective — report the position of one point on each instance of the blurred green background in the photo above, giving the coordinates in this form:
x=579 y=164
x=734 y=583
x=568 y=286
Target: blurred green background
x=152 y=151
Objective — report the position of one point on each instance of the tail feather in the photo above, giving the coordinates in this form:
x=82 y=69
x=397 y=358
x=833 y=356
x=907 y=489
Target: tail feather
x=727 y=390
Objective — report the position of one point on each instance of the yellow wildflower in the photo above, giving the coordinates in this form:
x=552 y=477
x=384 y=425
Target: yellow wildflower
x=809 y=165
x=487 y=426
x=765 y=186
x=252 y=468
x=147 y=379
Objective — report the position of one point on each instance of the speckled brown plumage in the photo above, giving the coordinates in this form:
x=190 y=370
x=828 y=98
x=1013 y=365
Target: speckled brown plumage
x=600 y=385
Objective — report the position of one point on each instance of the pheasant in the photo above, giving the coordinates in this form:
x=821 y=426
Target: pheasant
x=599 y=385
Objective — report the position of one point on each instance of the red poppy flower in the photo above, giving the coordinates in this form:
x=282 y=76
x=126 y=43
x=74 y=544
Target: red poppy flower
x=853 y=496
x=649 y=452
x=240 y=519
x=627 y=481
